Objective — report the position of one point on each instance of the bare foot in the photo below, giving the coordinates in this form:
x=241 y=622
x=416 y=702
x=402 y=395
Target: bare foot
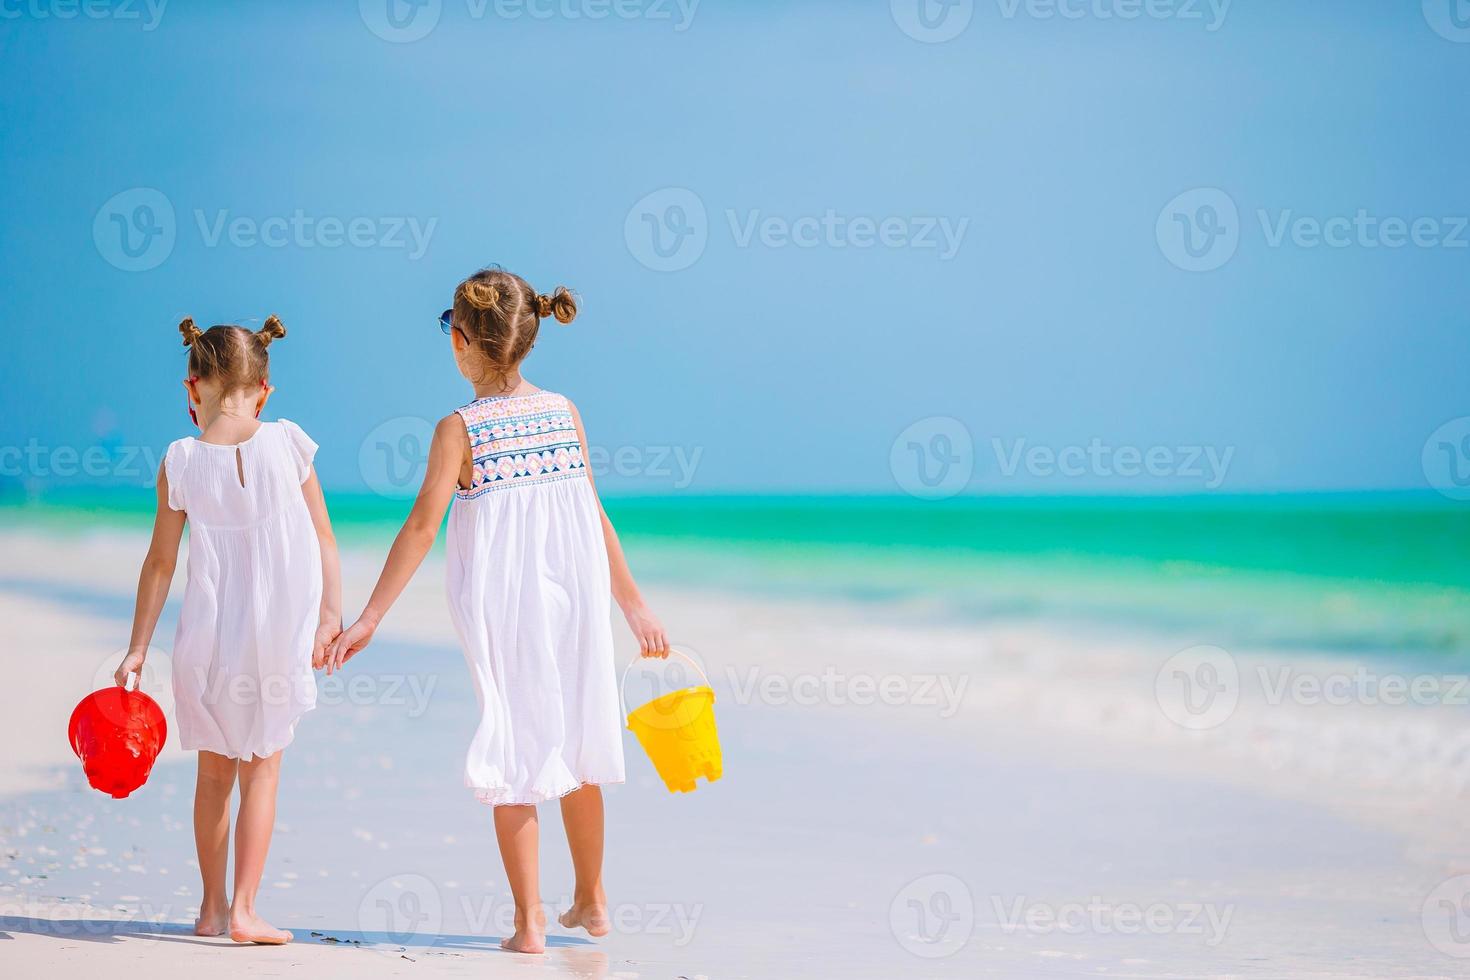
x=591 y=916
x=254 y=929
x=530 y=934
x=524 y=941
x=213 y=920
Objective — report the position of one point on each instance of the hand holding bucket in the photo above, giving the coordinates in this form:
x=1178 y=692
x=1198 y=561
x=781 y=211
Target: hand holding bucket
x=117 y=734
x=678 y=732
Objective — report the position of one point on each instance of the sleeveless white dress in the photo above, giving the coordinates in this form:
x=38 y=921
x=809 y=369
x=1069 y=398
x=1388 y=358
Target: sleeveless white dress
x=242 y=674
x=530 y=596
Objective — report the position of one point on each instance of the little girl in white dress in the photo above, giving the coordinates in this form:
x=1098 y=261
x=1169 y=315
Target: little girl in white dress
x=262 y=600
x=533 y=563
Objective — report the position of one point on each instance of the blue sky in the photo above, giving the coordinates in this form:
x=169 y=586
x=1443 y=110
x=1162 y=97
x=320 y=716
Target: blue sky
x=862 y=233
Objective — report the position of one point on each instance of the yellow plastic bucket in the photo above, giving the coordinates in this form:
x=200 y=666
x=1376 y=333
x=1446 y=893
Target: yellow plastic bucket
x=677 y=730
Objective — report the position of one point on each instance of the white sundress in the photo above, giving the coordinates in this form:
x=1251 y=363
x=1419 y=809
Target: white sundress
x=242 y=674
x=530 y=596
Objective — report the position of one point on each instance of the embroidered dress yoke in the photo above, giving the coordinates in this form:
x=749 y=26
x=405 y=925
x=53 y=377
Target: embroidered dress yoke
x=530 y=596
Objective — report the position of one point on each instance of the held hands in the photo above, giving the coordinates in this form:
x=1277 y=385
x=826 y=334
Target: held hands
x=349 y=643
x=326 y=633
x=653 y=641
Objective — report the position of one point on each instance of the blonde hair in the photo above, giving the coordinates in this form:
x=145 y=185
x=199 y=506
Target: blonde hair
x=230 y=354
x=500 y=315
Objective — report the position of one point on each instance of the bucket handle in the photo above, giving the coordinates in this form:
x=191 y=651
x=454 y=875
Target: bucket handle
x=623 y=687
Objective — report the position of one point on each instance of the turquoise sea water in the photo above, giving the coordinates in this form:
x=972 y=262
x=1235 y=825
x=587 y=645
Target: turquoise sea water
x=1386 y=575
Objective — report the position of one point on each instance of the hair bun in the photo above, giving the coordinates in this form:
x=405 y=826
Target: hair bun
x=273 y=329
x=190 y=332
x=560 y=304
x=480 y=295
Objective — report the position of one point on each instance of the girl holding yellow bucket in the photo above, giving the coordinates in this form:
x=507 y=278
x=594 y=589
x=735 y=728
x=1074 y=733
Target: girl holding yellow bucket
x=532 y=563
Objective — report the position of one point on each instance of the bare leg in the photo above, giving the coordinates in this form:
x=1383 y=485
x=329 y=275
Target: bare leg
x=258 y=780
x=581 y=813
x=518 y=832
x=212 y=790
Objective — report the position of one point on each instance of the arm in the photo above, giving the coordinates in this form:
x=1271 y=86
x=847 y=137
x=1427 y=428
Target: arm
x=330 y=624
x=653 y=641
x=447 y=454
x=153 y=582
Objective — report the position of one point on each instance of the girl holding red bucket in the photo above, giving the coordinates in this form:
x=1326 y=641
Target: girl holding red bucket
x=263 y=599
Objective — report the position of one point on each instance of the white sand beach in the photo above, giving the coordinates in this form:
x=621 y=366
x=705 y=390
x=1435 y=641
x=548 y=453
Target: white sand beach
x=900 y=799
